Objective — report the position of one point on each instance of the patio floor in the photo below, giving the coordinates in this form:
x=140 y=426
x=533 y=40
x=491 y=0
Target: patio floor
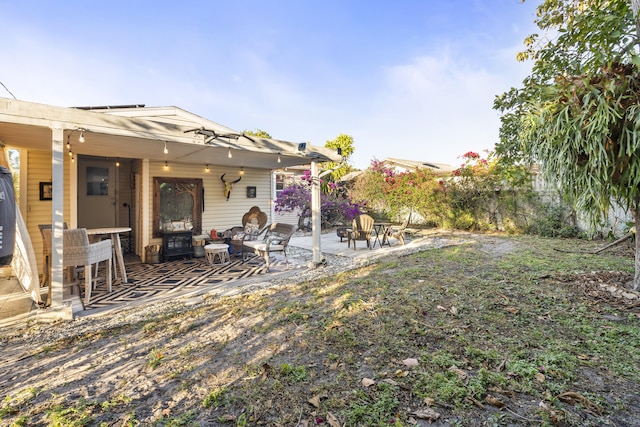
x=182 y=278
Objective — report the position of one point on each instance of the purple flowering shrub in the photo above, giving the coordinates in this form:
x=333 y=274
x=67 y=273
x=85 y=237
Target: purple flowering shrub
x=336 y=205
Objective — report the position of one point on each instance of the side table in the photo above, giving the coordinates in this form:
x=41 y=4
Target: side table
x=217 y=254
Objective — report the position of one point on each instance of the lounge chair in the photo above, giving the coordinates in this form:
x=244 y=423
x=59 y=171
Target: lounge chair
x=361 y=229
x=397 y=232
x=276 y=239
x=253 y=223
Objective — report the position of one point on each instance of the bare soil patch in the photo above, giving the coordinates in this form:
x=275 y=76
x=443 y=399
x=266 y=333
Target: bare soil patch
x=490 y=330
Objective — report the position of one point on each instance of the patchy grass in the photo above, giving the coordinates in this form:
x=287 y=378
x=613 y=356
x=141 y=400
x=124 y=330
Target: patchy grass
x=498 y=331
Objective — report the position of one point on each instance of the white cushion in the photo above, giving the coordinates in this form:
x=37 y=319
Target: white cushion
x=261 y=246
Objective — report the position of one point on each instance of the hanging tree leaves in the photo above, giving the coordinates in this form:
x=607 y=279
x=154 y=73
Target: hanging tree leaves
x=578 y=114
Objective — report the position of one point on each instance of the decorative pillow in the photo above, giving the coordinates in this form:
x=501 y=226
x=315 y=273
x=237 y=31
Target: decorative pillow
x=251 y=228
x=238 y=236
x=274 y=240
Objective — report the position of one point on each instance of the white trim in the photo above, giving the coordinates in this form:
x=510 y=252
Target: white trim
x=57 y=219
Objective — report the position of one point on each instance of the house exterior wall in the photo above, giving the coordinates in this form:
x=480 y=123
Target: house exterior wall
x=39 y=211
x=219 y=213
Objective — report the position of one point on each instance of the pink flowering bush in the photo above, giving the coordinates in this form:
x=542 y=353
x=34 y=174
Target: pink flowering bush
x=480 y=194
x=485 y=195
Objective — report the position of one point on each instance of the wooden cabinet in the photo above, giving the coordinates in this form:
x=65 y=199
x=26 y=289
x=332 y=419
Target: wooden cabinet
x=177 y=243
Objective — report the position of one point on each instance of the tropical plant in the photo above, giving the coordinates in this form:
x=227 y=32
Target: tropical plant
x=345 y=144
x=578 y=113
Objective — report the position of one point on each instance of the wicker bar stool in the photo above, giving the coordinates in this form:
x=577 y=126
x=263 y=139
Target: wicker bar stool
x=79 y=252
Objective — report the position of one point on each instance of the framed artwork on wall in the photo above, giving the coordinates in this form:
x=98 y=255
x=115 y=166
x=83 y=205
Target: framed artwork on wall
x=251 y=192
x=46 y=191
x=178 y=226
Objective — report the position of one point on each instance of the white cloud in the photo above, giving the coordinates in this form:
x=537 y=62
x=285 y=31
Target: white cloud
x=434 y=108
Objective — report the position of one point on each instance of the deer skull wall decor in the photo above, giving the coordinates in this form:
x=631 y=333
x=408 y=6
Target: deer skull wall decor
x=228 y=185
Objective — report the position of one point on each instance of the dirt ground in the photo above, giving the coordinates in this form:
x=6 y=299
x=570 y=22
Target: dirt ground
x=161 y=367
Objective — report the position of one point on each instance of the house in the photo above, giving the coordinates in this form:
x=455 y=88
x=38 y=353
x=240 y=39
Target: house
x=402 y=165
x=104 y=167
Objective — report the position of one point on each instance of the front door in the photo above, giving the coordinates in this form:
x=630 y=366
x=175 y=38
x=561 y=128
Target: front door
x=96 y=193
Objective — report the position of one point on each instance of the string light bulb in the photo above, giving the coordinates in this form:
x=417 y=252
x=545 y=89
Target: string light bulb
x=241 y=170
x=207 y=168
x=81 y=137
x=229 y=155
x=165 y=148
x=279 y=161
x=166 y=165
x=68 y=143
x=117 y=163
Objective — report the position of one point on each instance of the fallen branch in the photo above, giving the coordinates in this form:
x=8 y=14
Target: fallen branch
x=620 y=240
x=597 y=251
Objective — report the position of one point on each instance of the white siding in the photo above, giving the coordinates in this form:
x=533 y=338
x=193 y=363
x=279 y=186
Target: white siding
x=39 y=211
x=219 y=213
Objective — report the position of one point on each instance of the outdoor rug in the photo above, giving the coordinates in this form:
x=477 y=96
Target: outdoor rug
x=149 y=281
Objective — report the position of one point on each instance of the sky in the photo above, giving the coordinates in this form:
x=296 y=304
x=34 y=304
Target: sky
x=408 y=79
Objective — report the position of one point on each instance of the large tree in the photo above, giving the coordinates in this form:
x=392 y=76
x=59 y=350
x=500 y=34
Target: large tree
x=578 y=114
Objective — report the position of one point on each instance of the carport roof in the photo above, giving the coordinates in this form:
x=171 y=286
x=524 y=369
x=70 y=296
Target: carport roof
x=142 y=132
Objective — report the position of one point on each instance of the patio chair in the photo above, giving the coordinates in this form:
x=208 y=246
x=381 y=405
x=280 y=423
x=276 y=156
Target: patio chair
x=397 y=232
x=361 y=229
x=253 y=223
x=79 y=252
x=276 y=239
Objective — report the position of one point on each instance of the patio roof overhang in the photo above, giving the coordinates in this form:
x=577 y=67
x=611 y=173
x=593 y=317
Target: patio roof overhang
x=113 y=134
x=110 y=135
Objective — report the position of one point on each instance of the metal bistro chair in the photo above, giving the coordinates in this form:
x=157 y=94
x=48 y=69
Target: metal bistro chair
x=360 y=230
x=79 y=252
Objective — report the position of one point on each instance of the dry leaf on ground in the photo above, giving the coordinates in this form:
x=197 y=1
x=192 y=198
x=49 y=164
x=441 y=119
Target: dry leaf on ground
x=494 y=401
x=410 y=362
x=429 y=401
x=315 y=400
x=367 y=382
x=426 y=414
x=573 y=397
x=333 y=420
x=459 y=372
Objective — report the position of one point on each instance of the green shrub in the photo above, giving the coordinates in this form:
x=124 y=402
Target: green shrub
x=553 y=221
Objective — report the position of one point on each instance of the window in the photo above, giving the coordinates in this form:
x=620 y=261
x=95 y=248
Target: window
x=97 y=181
x=279 y=184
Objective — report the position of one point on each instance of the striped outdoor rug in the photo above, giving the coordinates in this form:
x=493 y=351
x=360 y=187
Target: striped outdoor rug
x=147 y=281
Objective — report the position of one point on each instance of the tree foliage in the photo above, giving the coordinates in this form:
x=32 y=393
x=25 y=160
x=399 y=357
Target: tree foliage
x=335 y=204
x=578 y=113
x=258 y=132
x=345 y=143
x=481 y=194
